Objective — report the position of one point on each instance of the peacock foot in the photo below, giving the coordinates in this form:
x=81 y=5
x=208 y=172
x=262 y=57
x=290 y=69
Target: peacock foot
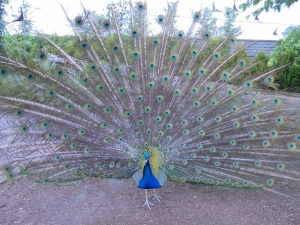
x=156 y=196
x=147 y=203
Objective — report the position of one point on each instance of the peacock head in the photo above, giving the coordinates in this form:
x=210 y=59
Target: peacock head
x=146 y=156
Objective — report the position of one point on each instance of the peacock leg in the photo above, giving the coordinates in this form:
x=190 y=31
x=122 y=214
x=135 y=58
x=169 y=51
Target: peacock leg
x=155 y=195
x=147 y=203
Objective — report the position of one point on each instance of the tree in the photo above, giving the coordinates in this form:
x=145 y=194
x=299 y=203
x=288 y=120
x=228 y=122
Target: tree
x=2 y=22
x=122 y=12
x=290 y=28
x=228 y=28
x=268 y=4
x=288 y=51
x=95 y=18
x=26 y=25
x=208 y=22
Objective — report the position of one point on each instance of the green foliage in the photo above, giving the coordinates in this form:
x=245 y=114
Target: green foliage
x=261 y=66
x=122 y=14
x=208 y=22
x=95 y=18
x=290 y=28
x=288 y=51
x=24 y=47
x=2 y=22
x=170 y=8
x=228 y=28
x=25 y=26
x=289 y=78
x=268 y=4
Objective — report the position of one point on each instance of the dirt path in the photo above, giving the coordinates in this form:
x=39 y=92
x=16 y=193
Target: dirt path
x=107 y=201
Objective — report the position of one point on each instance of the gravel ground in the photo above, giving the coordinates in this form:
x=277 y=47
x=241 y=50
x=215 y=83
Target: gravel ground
x=107 y=201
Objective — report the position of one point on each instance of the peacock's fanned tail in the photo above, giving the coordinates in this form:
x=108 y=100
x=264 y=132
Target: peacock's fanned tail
x=183 y=92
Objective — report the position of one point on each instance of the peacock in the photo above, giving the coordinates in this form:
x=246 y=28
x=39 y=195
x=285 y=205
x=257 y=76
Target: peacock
x=155 y=106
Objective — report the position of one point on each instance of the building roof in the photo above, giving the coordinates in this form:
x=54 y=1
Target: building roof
x=268 y=46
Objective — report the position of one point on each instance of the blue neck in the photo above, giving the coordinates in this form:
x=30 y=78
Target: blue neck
x=148 y=180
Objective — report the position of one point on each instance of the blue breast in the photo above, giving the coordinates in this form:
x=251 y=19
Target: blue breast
x=148 y=180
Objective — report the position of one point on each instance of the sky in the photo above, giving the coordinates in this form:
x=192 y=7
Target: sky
x=49 y=18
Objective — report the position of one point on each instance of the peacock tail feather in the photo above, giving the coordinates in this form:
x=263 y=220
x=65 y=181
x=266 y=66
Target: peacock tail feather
x=195 y=106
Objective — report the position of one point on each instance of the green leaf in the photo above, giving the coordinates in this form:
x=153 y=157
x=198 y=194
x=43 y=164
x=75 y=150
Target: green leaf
x=255 y=2
x=247 y=17
x=28 y=42
x=244 y=6
x=272 y=61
